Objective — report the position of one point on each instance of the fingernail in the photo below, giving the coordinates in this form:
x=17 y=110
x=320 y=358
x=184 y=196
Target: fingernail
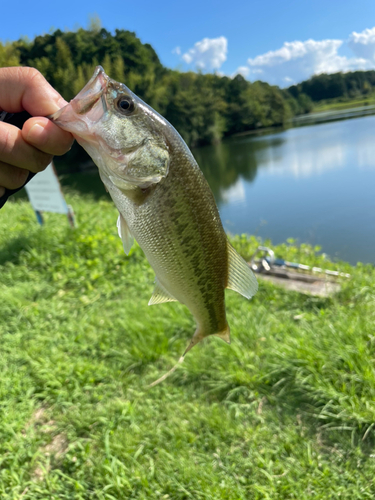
x=62 y=102
x=37 y=134
x=2 y=191
x=56 y=102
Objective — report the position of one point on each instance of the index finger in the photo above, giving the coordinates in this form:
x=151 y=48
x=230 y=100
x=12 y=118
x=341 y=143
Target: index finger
x=27 y=89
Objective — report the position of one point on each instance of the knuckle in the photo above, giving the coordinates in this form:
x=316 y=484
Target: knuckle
x=65 y=147
x=34 y=75
x=6 y=143
x=41 y=161
x=17 y=178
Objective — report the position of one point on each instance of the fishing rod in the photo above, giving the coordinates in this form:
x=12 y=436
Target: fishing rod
x=268 y=260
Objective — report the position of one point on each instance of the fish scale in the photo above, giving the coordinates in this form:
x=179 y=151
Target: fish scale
x=163 y=199
x=194 y=269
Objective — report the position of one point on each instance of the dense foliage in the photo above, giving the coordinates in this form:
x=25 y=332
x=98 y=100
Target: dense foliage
x=348 y=85
x=203 y=107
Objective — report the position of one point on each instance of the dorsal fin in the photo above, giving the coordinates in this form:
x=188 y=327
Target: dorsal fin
x=241 y=278
x=160 y=295
x=124 y=233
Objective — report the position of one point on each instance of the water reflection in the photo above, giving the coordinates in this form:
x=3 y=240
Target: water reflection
x=366 y=152
x=236 y=193
x=225 y=164
x=312 y=183
x=304 y=158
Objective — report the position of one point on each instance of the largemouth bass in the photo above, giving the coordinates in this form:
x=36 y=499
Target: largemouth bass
x=163 y=199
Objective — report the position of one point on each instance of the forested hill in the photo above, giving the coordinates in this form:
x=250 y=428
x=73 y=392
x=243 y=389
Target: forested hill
x=347 y=85
x=203 y=107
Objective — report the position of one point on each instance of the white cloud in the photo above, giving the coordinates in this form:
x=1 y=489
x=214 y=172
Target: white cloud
x=363 y=44
x=293 y=62
x=242 y=70
x=208 y=54
x=297 y=61
x=291 y=51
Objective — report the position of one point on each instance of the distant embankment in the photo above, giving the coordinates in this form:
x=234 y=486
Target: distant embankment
x=327 y=116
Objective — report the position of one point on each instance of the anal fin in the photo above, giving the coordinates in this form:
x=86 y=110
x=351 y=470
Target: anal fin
x=124 y=233
x=160 y=295
x=241 y=278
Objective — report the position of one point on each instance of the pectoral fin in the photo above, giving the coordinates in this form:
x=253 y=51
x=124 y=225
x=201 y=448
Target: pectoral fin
x=241 y=278
x=160 y=295
x=121 y=183
x=124 y=233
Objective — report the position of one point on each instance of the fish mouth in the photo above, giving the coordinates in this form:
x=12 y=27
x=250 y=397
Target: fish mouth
x=87 y=107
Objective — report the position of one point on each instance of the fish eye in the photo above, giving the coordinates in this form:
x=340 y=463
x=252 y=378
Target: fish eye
x=125 y=105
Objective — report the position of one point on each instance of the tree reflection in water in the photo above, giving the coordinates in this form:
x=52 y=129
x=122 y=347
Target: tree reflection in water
x=225 y=163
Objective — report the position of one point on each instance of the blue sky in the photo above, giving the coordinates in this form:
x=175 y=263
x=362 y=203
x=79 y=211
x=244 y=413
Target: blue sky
x=282 y=41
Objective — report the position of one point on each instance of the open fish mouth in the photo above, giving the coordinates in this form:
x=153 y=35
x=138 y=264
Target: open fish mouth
x=87 y=108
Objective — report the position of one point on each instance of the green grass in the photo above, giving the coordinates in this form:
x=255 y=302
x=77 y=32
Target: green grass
x=287 y=411
x=342 y=103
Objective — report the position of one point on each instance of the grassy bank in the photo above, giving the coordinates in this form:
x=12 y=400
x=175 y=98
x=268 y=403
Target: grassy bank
x=341 y=103
x=286 y=411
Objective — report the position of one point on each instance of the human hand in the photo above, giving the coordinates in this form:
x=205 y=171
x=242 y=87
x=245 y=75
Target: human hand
x=33 y=147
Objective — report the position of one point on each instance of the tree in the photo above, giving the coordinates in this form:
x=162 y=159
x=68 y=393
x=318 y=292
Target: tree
x=203 y=107
x=9 y=55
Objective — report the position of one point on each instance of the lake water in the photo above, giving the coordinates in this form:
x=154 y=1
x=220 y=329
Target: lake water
x=315 y=184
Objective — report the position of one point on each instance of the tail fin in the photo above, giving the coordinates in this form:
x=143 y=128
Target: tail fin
x=224 y=334
x=199 y=335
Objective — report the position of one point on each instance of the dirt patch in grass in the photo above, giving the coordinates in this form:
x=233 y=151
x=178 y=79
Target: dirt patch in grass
x=53 y=452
